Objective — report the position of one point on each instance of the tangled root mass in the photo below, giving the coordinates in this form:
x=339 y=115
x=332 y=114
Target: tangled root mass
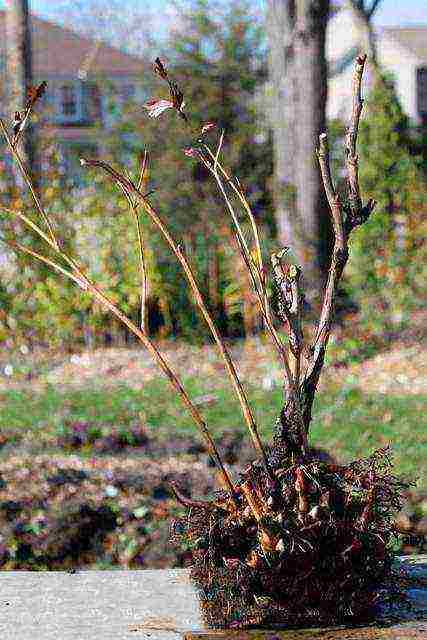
x=308 y=543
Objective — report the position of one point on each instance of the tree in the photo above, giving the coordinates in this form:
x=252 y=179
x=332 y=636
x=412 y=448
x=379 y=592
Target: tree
x=19 y=67
x=387 y=269
x=296 y=32
x=364 y=12
x=217 y=55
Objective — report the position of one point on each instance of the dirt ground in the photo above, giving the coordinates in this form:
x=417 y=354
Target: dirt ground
x=64 y=511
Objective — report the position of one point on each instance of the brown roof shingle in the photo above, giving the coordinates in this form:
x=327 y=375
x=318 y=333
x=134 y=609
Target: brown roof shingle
x=60 y=51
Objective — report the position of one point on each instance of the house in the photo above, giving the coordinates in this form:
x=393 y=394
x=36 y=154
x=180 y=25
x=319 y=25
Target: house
x=82 y=75
x=400 y=50
x=403 y=51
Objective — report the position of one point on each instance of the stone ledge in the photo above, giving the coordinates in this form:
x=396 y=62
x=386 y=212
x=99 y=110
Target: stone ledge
x=155 y=605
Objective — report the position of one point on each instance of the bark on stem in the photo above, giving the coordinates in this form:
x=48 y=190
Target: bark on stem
x=356 y=214
x=288 y=283
x=131 y=188
x=351 y=137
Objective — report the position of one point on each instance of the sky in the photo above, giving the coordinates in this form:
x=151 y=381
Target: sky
x=390 y=12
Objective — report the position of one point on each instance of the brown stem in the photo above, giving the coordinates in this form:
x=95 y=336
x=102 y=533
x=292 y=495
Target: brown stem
x=261 y=294
x=247 y=413
x=288 y=282
x=351 y=138
x=143 y=270
x=29 y=182
x=84 y=282
x=188 y=502
x=255 y=504
x=342 y=228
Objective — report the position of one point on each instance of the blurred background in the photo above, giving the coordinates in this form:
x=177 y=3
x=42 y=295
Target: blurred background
x=81 y=404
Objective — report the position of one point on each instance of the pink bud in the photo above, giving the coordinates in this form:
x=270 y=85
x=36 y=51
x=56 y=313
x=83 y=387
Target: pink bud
x=191 y=152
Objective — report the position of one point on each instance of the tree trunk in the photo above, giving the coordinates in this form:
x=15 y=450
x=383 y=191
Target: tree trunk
x=280 y=25
x=296 y=32
x=19 y=71
x=363 y=19
x=310 y=106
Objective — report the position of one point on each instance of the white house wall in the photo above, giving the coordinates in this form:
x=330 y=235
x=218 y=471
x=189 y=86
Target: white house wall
x=345 y=32
x=403 y=64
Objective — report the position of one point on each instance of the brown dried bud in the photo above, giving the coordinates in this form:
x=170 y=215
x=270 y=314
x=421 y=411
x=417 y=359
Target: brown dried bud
x=253 y=560
x=34 y=93
x=247 y=513
x=268 y=541
x=160 y=69
x=302 y=504
x=280 y=546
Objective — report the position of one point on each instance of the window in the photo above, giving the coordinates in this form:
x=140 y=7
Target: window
x=68 y=101
x=422 y=93
x=93 y=101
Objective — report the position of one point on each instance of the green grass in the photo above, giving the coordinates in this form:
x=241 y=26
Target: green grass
x=347 y=422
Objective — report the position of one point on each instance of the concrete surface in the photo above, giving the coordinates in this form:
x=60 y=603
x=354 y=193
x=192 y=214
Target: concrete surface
x=151 y=605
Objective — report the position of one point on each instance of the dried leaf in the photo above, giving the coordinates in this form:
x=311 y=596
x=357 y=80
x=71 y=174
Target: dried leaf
x=34 y=93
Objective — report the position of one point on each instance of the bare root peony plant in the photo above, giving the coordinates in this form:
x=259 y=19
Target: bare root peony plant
x=293 y=539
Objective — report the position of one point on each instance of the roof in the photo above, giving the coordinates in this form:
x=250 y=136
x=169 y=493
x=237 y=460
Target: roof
x=60 y=51
x=412 y=38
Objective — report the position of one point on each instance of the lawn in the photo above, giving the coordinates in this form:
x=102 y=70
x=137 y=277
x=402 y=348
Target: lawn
x=89 y=445
x=348 y=423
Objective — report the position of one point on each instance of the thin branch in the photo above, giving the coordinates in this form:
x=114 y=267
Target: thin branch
x=218 y=151
x=351 y=138
x=29 y=182
x=342 y=228
x=133 y=206
x=373 y=8
x=144 y=272
x=247 y=260
x=288 y=282
x=240 y=194
x=292 y=378
x=143 y=170
x=258 y=287
x=260 y=271
x=84 y=282
x=331 y=194
x=247 y=413
x=339 y=256
x=143 y=269
x=163 y=364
